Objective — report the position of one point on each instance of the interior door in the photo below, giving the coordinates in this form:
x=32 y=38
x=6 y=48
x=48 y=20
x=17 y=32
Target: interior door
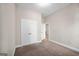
x=28 y=31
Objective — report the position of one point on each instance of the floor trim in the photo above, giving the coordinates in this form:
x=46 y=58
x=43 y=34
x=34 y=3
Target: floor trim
x=13 y=52
x=69 y=47
x=28 y=44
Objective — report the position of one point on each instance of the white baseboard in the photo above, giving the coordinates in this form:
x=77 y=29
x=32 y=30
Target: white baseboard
x=13 y=52
x=28 y=44
x=69 y=47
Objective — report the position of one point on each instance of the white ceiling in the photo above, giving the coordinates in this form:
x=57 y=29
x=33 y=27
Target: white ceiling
x=47 y=10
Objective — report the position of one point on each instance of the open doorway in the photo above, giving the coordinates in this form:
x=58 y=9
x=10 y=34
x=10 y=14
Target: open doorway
x=44 y=32
x=47 y=31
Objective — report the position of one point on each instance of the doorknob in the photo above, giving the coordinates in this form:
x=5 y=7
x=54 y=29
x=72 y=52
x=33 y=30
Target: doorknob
x=29 y=33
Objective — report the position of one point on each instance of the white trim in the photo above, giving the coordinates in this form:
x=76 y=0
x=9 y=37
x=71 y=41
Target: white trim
x=13 y=52
x=28 y=44
x=72 y=48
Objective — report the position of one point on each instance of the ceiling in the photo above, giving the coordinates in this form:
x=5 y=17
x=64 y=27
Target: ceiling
x=47 y=10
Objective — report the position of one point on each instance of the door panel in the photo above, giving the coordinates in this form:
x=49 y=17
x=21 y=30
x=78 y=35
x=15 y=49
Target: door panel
x=28 y=31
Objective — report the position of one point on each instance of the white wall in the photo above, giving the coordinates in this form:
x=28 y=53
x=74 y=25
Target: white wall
x=64 y=26
x=7 y=28
x=0 y=28
x=25 y=13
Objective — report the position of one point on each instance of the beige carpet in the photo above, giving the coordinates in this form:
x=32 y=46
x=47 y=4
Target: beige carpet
x=45 y=48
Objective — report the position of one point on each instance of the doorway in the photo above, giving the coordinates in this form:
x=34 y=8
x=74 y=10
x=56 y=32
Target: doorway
x=47 y=32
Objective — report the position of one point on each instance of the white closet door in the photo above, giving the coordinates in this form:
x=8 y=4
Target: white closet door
x=28 y=31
